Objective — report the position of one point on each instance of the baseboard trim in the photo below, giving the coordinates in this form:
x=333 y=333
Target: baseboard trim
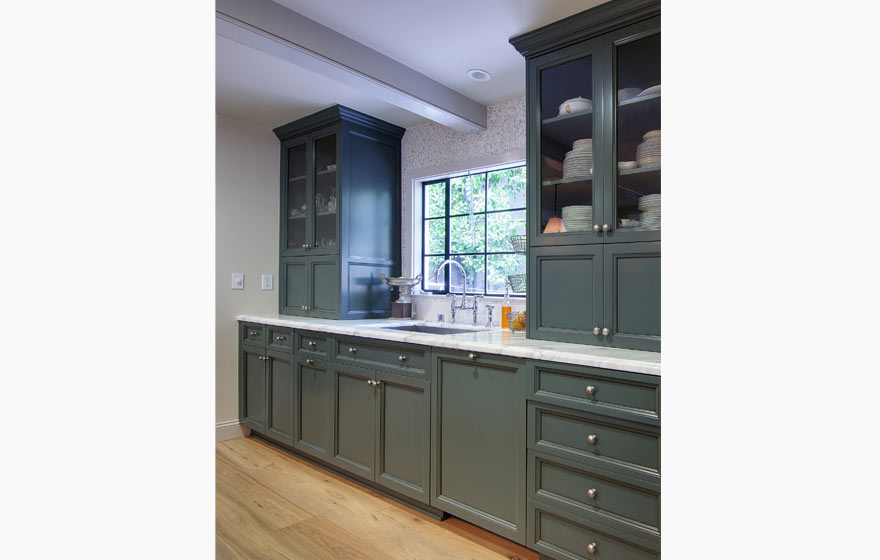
x=231 y=429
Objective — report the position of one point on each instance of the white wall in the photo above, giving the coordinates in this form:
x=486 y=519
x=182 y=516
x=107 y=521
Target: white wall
x=246 y=241
x=431 y=150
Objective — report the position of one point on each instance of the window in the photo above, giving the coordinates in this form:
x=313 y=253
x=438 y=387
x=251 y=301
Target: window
x=470 y=219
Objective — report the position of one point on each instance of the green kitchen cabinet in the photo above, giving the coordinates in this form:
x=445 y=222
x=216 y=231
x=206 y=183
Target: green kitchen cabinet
x=632 y=295
x=340 y=214
x=252 y=387
x=312 y=407
x=381 y=428
x=479 y=456
x=279 y=396
x=266 y=381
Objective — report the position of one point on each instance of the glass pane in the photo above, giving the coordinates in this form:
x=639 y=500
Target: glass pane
x=567 y=147
x=435 y=237
x=325 y=191
x=467 y=234
x=467 y=195
x=435 y=200
x=474 y=266
x=507 y=189
x=499 y=267
x=501 y=226
x=296 y=196
x=430 y=269
x=637 y=205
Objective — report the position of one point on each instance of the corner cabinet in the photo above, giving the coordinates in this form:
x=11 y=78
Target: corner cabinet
x=340 y=214
x=593 y=127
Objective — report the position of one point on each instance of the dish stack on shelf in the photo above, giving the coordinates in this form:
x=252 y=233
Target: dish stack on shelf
x=577 y=218
x=648 y=152
x=650 y=207
x=579 y=161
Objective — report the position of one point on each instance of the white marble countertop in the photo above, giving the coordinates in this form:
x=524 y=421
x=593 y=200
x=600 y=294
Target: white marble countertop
x=495 y=341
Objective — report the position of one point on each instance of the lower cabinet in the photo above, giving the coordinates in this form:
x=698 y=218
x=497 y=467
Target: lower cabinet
x=279 y=392
x=479 y=430
x=312 y=407
x=381 y=428
x=252 y=387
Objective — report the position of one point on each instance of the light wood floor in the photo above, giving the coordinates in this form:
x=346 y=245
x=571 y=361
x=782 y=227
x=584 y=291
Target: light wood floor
x=275 y=506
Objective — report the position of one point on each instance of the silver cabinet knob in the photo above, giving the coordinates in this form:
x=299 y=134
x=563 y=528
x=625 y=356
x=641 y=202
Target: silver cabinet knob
x=606 y=227
x=401 y=358
x=592 y=548
x=253 y=334
x=352 y=350
x=591 y=493
x=308 y=308
x=280 y=338
x=592 y=439
x=597 y=228
x=606 y=331
x=369 y=381
x=303 y=307
x=312 y=344
x=304 y=246
x=472 y=356
x=591 y=389
x=310 y=362
x=597 y=330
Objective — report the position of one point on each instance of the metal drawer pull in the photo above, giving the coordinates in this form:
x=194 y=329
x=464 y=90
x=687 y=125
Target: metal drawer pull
x=252 y=333
x=401 y=359
x=606 y=331
x=592 y=548
x=591 y=390
x=280 y=338
x=312 y=344
x=591 y=493
x=597 y=330
x=369 y=381
x=472 y=356
x=592 y=439
x=352 y=350
x=310 y=362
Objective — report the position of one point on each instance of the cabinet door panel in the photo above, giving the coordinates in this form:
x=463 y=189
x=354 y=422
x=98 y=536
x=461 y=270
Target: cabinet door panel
x=312 y=412
x=294 y=285
x=280 y=406
x=324 y=282
x=632 y=295
x=294 y=195
x=404 y=435
x=566 y=289
x=478 y=438
x=252 y=408
x=354 y=420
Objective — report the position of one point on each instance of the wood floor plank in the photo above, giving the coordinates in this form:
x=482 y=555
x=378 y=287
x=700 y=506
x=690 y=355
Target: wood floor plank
x=325 y=537
x=222 y=551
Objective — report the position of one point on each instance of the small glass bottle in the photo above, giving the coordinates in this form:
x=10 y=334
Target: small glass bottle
x=505 y=306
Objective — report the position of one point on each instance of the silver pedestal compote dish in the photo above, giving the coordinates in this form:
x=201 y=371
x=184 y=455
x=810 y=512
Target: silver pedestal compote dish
x=402 y=308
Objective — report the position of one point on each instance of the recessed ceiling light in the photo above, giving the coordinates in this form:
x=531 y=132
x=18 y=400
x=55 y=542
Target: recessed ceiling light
x=479 y=75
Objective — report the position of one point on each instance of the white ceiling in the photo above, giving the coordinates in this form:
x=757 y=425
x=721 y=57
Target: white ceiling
x=441 y=40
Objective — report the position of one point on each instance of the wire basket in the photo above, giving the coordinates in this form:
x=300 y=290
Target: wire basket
x=516 y=320
x=518 y=242
x=517 y=283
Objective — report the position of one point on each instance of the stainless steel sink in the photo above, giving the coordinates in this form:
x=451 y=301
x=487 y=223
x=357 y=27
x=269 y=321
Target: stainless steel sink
x=430 y=329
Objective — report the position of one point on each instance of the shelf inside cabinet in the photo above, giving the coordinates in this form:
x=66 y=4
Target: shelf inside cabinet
x=576 y=179
x=325 y=172
x=326 y=214
x=566 y=129
x=641 y=180
x=637 y=116
x=300 y=178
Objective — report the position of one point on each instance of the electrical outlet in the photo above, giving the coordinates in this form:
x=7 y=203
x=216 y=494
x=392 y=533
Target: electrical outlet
x=237 y=281
x=267 y=281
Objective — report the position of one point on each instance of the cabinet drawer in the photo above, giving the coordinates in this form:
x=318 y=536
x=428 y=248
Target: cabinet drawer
x=561 y=536
x=406 y=360
x=577 y=435
x=569 y=485
x=312 y=343
x=253 y=334
x=280 y=339
x=615 y=393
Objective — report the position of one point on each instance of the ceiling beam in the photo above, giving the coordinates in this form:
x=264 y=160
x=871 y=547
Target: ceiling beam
x=285 y=34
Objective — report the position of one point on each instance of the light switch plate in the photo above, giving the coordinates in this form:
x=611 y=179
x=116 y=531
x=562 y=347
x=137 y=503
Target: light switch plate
x=267 y=282
x=237 y=281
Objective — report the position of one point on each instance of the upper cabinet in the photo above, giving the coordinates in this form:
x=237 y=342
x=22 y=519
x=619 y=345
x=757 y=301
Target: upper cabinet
x=340 y=214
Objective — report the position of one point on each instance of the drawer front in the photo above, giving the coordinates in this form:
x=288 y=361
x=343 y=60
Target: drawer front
x=560 y=536
x=619 y=394
x=571 y=486
x=312 y=343
x=576 y=435
x=280 y=339
x=253 y=334
x=401 y=359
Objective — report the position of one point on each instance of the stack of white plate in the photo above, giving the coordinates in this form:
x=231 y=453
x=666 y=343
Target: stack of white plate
x=648 y=152
x=650 y=208
x=577 y=218
x=579 y=161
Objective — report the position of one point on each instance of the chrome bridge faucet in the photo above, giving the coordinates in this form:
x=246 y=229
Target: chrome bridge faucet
x=463 y=305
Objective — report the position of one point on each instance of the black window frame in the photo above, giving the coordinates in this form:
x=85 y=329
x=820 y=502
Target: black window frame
x=447 y=182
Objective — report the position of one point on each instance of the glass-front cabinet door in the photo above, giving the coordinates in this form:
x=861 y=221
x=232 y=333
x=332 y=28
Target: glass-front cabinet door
x=325 y=198
x=633 y=209
x=567 y=205
x=296 y=196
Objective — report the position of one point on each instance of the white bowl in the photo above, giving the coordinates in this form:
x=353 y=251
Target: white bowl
x=627 y=165
x=651 y=134
x=575 y=105
x=627 y=93
x=650 y=90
